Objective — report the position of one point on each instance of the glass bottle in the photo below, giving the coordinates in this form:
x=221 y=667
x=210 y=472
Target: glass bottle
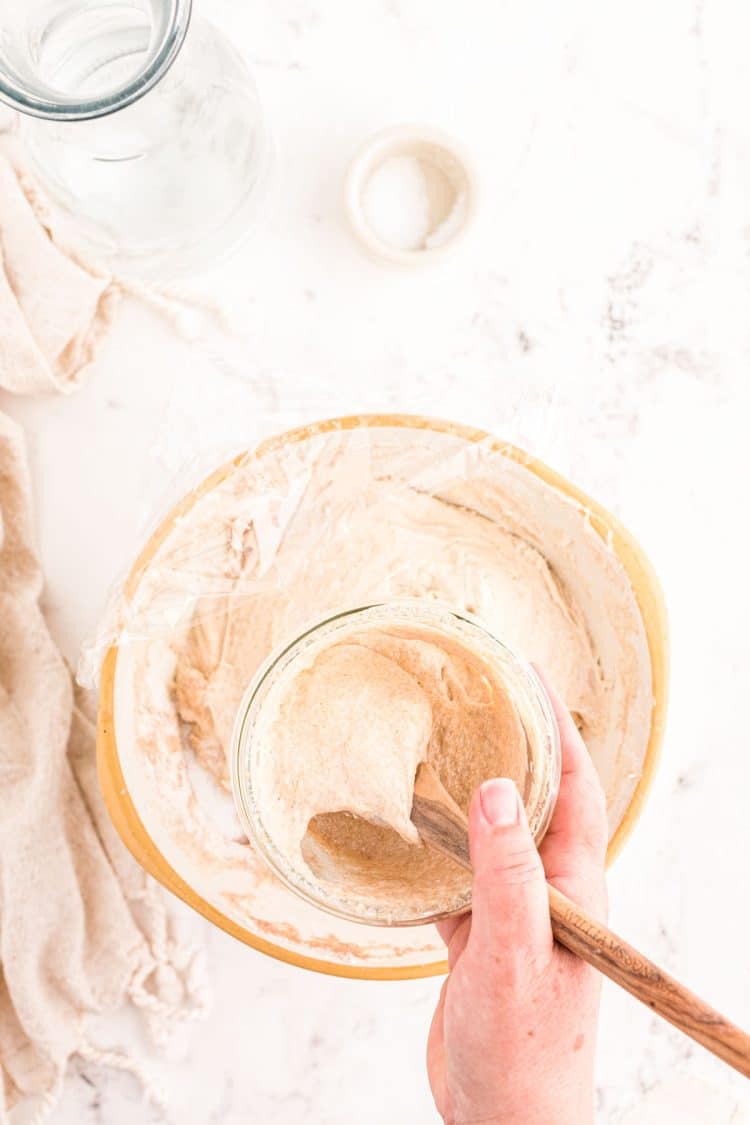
x=143 y=126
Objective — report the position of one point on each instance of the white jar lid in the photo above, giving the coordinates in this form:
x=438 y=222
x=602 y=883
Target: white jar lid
x=411 y=194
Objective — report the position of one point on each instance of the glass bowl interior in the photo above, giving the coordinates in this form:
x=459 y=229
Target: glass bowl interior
x=539 y=790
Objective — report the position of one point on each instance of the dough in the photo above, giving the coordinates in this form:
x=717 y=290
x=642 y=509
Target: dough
x=328 y=521
x=340 y=735
x=393 y=543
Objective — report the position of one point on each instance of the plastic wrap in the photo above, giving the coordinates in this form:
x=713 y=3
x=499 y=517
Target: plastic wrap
x=325 y=518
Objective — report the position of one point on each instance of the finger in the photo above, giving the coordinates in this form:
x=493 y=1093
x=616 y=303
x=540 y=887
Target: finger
x=574 y=849
x=510 y=926
x=447 y=928
x=436 y=1054
x=455 y=934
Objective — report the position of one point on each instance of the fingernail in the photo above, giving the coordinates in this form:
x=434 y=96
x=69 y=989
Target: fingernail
x=499 y=801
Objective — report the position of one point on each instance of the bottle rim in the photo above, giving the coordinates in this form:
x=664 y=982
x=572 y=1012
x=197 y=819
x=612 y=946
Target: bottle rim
x=41 y=100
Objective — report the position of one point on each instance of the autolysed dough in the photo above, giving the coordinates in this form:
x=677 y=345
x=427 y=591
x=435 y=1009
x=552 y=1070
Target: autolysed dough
x=340 y=736
x=335 y=520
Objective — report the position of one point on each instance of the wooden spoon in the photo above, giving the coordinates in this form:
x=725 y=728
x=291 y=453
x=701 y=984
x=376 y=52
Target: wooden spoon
x=440 y=823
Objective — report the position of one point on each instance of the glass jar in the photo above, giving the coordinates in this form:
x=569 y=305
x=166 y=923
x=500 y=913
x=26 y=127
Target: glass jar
x=538 y=788
x=143 y=127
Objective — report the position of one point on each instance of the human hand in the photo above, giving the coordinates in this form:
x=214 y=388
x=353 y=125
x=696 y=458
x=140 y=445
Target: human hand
x=513 y=1037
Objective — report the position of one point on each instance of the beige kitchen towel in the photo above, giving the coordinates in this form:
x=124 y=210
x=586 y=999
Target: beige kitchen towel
x=82 y=928
x=53 y=309
x=55 y=306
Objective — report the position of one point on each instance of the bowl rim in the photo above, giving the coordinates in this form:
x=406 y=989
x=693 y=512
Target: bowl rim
x=646 y=589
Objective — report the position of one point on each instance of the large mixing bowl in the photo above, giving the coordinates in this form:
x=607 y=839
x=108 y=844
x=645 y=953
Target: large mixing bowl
x=271 y=923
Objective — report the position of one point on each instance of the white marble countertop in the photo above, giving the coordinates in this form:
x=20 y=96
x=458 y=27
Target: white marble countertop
x=598 y=314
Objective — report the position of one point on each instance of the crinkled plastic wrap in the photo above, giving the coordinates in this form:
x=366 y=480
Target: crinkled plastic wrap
x=330 y=517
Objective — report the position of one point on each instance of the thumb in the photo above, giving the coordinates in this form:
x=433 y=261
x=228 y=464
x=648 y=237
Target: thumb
x=510 y=910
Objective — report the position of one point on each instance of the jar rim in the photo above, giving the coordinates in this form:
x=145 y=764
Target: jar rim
x=421 y=612
x=45 y=101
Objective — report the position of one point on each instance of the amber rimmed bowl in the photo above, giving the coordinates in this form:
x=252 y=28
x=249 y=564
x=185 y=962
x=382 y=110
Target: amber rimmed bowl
x=260 y=911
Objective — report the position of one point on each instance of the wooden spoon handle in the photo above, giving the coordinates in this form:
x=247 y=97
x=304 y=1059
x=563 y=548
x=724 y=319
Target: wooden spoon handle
x=600 y=947
x=442 y=824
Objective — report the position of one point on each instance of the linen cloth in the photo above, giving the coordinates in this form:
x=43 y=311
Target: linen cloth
x=53 y=310
x=82 y=928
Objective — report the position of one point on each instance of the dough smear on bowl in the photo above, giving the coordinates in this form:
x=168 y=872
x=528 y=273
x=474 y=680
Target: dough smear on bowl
x=327 y=522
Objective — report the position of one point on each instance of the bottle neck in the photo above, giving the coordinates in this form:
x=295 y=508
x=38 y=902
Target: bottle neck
x=71 y=60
